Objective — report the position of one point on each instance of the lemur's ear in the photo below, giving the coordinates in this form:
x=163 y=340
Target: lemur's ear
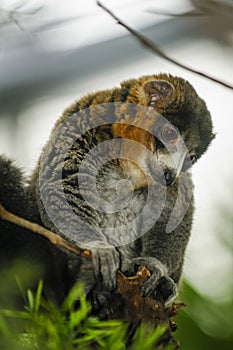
x=158 y=91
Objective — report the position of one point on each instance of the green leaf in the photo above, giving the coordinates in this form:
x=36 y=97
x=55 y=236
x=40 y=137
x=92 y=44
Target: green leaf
x=4 y=329
x=74 y=295
x=31 y=302
x=23 y=315
x=145 y=340
x=38 y=296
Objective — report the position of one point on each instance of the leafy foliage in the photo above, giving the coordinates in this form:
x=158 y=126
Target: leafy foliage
x=43 y=325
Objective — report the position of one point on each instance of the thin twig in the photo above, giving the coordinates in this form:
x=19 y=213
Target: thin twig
x=193 y=13
x=51 y=236
x=154 y=48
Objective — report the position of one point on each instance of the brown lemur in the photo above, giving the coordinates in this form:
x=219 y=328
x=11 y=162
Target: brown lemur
x=116 y=230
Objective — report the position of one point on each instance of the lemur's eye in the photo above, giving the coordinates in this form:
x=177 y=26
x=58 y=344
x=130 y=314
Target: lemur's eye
x=169 y=134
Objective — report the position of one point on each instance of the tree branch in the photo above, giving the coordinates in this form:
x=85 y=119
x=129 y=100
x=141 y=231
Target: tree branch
x=155 y=49
x=51 y=236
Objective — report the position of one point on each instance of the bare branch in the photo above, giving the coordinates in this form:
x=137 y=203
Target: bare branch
x=51 y=236
x=155 y=49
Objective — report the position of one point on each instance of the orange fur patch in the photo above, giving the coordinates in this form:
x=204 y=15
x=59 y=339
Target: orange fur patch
x=132 y=157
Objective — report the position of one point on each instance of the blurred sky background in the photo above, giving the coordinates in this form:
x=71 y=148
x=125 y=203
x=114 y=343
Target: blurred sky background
x=52 y=52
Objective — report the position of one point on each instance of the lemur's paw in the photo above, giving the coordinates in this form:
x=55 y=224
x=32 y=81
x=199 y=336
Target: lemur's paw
x=158 y=282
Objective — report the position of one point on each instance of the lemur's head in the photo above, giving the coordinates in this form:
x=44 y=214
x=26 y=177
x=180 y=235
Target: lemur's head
x=176 y=126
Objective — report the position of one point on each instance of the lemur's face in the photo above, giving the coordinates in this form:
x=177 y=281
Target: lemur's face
x=176 y=128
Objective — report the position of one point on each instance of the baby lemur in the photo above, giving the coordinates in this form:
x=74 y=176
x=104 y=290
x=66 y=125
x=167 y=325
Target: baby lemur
x=114 y=178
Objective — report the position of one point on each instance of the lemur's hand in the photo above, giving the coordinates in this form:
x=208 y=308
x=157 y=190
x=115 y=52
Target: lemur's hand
x=159 y=279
